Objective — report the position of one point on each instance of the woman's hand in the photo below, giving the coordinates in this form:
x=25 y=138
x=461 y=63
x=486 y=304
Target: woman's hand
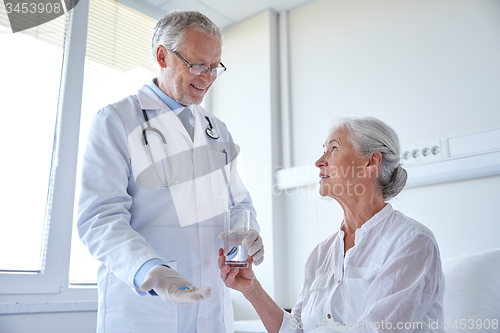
x=241 y=279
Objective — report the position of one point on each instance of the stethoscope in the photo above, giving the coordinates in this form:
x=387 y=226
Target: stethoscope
x=210 y=131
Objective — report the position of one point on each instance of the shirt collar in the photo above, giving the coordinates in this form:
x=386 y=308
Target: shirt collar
x=377 y=218
x=172 y=104
x=374 y=220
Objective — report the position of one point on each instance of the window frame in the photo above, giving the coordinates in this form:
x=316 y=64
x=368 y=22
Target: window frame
x=54 y=279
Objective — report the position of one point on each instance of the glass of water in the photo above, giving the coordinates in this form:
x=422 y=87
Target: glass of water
x=236 y=227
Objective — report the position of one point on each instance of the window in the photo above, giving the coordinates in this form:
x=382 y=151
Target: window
x=40 y=136
x=31 y=64
x=118 y=61
x=42 y=109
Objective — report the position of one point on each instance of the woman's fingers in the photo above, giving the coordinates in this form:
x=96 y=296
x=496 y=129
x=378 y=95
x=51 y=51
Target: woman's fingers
x=222 y=259
x=231 y=277
x=228 y=275
x=224 y=274
x=224 y=270
x=235 y=277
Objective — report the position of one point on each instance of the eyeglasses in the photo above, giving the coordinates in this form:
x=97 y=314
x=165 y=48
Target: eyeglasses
x=197 y=69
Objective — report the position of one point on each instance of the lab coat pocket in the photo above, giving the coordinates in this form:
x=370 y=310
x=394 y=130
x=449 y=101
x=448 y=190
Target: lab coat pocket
x=221 y=155
x=122 y=310
x=219 y=175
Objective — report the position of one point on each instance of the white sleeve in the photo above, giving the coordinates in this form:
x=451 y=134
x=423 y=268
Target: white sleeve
x=103 y=211
x=407 y=288
x=292 y=322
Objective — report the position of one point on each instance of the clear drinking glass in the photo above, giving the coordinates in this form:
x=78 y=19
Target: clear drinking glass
x=236 y=227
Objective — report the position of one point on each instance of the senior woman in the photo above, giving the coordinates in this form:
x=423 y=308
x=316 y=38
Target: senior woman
x=381 y=271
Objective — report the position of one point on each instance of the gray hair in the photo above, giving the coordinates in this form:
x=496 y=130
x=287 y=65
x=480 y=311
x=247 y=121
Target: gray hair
x=171 y=28
x=370 y=135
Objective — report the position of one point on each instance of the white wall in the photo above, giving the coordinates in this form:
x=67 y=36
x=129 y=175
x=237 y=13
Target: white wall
x=73 y=309
x=65 y=322
x=428 y=68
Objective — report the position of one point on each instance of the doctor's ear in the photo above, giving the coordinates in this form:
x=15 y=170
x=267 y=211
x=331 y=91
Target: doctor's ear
x=161 y=56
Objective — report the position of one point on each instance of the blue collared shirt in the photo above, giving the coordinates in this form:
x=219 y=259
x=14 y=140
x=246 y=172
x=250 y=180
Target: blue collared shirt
x=172 y=104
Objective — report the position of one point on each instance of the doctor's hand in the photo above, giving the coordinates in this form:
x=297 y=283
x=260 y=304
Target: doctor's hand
x=172 y=287
x=240 y=279
x=253 y=239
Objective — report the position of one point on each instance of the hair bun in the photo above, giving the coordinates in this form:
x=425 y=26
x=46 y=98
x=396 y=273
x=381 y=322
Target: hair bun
x=397 y=183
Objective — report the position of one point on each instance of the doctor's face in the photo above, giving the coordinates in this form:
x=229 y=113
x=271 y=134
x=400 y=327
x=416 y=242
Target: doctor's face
x=176 y=80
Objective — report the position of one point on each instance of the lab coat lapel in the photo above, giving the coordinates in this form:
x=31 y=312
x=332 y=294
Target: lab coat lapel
x=209 y=189
x=183 y=193
x=148 y=100
x=199 y=137
x=174 y=122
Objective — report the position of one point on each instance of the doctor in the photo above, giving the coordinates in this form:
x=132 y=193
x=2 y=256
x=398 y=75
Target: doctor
x=158 y=171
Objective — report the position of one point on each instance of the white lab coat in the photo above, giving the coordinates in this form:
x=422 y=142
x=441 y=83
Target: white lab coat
x=125 y=222
x=390 y=281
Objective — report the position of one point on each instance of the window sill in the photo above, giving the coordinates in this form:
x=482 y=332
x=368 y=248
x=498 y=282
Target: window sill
x=72 y=299
x=47 y=307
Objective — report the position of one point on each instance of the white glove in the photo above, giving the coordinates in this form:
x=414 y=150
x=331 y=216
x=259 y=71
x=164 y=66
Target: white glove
x=256 y=248
x=172 y=287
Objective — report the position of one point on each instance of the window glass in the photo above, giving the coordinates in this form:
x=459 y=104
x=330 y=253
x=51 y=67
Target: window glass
x=118 y=62
x=30 y=67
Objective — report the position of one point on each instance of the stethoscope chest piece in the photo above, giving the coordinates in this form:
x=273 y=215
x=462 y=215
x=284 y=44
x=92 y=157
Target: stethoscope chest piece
x=211 y=131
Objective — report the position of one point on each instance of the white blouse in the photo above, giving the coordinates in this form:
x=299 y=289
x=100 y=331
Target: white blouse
x=390 y=281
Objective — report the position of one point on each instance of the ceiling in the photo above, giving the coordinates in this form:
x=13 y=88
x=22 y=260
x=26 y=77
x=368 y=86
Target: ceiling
x=222 y=12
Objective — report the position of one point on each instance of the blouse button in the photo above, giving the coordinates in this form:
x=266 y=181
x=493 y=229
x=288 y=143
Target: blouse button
x=328 y=316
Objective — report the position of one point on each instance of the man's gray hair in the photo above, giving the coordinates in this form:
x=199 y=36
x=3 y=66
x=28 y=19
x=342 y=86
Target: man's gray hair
x=369 y=135
x=171 y=28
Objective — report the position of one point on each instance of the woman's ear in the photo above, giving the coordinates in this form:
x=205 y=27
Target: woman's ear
x=373 y=163
x=161 y=56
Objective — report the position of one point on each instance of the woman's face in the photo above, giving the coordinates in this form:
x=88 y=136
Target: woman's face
x=341 y=170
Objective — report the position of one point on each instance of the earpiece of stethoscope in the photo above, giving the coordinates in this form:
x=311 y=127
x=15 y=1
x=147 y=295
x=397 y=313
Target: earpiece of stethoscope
x=211 y=131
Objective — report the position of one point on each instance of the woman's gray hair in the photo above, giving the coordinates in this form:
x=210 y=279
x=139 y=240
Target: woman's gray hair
x=171 y=28
x=370 y=135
